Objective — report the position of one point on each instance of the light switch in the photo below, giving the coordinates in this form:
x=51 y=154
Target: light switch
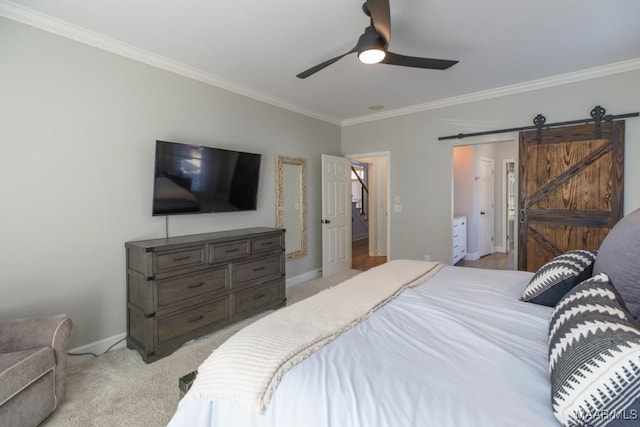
x=397 y=208
x=396 y=200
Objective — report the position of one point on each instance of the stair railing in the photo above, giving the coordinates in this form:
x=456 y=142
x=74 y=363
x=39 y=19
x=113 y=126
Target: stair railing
x=363 y=189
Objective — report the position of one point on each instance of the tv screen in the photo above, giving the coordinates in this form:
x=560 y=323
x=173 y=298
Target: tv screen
x=194 y=179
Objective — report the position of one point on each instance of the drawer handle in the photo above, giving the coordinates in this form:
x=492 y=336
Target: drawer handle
x=182 y=258
x=259 y=296
x=195 y=285
x=267 y=243
x=195 y=319
x=258 y=269
x=230 y=251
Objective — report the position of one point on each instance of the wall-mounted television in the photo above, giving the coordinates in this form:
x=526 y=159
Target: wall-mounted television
x=191 y=179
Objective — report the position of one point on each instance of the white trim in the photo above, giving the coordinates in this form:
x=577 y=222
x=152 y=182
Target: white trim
x=499 y=249
x=472 y=256
x=65 y=29
x=560 y=79
x=96 y=347
x=57 y=26
x=302 y=278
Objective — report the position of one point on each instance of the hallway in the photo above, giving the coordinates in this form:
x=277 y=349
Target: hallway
x=360 y=259
x=495 y=261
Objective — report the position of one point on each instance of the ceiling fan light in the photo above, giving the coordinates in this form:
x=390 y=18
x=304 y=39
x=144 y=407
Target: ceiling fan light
x=371 y=56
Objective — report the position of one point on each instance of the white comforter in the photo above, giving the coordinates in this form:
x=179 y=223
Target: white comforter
x=460 y=350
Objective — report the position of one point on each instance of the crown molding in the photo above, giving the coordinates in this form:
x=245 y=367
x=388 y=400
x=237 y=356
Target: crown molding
x=560 y=79
x=53 y=25
x=65 y=29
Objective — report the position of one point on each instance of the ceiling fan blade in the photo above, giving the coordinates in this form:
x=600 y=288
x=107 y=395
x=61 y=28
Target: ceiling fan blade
x=380 y=16
x=412 y=61
x=315 y=69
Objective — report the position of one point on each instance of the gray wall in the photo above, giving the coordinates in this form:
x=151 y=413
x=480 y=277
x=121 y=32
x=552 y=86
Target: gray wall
x=77 y=134
x=421 y=166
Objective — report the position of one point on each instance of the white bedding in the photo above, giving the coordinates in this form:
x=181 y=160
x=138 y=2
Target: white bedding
x=460 y=350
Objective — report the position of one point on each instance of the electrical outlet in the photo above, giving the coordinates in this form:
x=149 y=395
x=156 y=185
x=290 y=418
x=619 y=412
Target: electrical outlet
x=427 y=257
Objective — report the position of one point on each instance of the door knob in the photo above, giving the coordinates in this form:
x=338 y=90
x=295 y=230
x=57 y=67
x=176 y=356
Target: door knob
x=325 y=221
x=481 y=212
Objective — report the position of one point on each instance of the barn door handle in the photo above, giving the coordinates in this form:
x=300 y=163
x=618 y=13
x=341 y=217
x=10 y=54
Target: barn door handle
x=521 y=216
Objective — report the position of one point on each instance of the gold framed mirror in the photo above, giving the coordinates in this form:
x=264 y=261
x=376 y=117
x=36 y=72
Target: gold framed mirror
x=291 y=204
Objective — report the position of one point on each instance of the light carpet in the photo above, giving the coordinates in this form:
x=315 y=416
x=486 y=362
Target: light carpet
x=118 y=388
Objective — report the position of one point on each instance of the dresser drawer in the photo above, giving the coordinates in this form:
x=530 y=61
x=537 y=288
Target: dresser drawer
x=458 y=252
x=252 y=300
x=177 y=259
x=268 y=243
x=260 y=268
x=459 y=239
x=188 y=286
x=228 y=250
x=183 y=322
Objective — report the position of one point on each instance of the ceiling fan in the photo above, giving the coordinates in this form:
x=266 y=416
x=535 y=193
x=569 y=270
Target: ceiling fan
x=373 y=43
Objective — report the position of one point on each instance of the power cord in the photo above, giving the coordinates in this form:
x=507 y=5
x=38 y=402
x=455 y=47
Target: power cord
x=97 y=355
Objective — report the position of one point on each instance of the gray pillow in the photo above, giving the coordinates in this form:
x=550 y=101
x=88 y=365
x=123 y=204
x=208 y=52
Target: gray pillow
x=619 y=258
x=554 y=279
x=594 y=357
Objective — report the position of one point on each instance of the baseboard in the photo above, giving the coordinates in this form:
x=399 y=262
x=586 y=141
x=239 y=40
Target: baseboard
x=99 y=347
x=472 y=256
x=499 y=249
x=304 y=277
x=96 y=347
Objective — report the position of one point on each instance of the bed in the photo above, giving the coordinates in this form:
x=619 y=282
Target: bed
x=445 y=346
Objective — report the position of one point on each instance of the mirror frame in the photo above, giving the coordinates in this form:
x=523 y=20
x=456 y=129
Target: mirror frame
x=295 y=161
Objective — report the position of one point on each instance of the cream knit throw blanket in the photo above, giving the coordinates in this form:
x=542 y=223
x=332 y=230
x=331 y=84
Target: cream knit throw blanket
x=249 y=365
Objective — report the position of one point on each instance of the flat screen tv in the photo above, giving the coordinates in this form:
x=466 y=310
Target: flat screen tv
x=192 y=179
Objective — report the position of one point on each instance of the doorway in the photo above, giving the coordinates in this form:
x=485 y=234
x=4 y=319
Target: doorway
x=336 y=211
x=369 y=184
x=480 y=195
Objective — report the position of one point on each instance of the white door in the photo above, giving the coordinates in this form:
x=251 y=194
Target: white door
x=486 y=169
x=336 y=214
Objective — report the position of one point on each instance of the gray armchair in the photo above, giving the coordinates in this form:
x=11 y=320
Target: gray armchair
x=33 y=363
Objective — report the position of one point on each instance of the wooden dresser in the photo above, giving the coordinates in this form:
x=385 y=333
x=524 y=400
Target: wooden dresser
x=183 y=287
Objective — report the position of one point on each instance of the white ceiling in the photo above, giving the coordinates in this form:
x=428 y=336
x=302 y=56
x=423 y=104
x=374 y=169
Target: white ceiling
x=257 y=47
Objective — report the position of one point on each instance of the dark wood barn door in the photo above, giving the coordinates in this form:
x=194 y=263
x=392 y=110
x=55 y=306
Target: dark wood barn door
x=570 y=190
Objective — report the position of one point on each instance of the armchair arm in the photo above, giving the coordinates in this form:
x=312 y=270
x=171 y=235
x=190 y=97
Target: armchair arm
x=28 y=333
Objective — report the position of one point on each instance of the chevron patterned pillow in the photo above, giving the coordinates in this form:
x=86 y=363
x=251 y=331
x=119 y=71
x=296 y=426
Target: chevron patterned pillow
x=594 y=357
x=554 y=279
